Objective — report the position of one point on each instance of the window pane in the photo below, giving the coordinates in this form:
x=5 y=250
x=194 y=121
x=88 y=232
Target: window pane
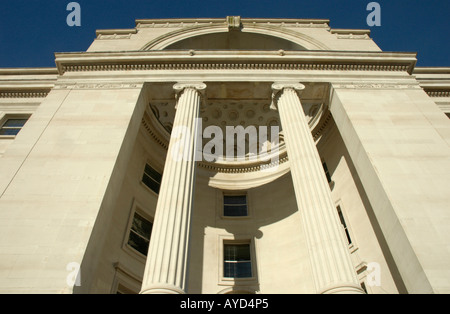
x=235 y=199
x=152 y=184
x=138 y=243
x=237 y=261
x=142 y=226
x=237 y=252
x=237 y=270
x=9 y=131
x=15 y=123
x=153 y=173
x=244 y=270
x=236 y=211
x=327 y=173
x=152 y=179
x=344 y=225
x=235 y=205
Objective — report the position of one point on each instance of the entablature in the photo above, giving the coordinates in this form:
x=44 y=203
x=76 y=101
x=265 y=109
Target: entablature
x=235 y=60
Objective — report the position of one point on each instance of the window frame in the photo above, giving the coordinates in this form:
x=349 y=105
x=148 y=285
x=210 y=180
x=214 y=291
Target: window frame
x=225 y=195
x=352 y=246
x=13 y=116
x=237 y=240
x=144 y=173
x=125 y=281
x=136 y=209
x=236 y=261
x=221 y=205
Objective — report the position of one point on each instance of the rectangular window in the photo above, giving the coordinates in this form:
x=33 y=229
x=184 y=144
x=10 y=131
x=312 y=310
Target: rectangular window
x=12 y=126
x=235 y=205
x=327 y=173
x=344 y=225
x=237 y=261
x=140 y=232
x=152 y=178
x=363 y=286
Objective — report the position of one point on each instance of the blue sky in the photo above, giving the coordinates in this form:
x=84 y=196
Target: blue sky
x=31 y=31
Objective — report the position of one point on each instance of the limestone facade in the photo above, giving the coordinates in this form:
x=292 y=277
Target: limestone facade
x=350 y=196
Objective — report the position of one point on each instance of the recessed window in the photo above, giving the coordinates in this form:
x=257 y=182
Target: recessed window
x=363 y=286
x=121 y=289
x=12 y=126
x=235 y=205
x=152 y=179
x=327 y=173
x=344 y=225
x=237 y=261
x=140 y=232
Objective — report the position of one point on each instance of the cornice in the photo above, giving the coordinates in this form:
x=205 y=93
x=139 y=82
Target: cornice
x=180 y=22
x=371 y=85
x=235 y=60
x=438 y=93
x=28 y=71
x=24 y=94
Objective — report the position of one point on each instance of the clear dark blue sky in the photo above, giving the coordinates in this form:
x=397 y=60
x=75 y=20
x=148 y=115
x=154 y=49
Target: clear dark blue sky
x=32 y=30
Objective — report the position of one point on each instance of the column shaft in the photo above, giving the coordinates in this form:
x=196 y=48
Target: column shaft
x=330 y=259
x=167 y=259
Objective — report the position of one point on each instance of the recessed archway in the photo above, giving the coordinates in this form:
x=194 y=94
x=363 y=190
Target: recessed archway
x=235 y=40
x=248 y=37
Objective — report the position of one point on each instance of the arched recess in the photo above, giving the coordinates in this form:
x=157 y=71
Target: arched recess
x=268 y=38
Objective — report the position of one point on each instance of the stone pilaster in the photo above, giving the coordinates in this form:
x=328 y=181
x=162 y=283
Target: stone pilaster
x=167 y=260
x=330 y=259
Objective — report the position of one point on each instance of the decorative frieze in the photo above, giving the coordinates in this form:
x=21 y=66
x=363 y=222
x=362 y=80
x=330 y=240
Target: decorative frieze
x=244 y=168
x=351 y=33
x=236 y=20
x=23 y=94
x=114 y=36
x=99 y=86
x=375 y=86
x=235 y=66
x=438 y=93
x=352 y=36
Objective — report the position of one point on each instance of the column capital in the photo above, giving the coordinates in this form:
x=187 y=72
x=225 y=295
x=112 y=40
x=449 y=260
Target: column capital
x=181 y=86
x=200 y=87
x=278 y=87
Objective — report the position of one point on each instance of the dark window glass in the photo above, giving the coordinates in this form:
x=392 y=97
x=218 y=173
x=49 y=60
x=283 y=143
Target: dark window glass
x=12 y=126
x=152 y=179
x=363 y=286
x=344 y=225
x=327 y=173
x=237 y=261
x=235 y=205
x=141 y=230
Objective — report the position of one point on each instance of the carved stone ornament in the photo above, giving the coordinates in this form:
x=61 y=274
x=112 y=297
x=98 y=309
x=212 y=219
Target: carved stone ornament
x=277 y=87
x=234 y=23
x=200 y=87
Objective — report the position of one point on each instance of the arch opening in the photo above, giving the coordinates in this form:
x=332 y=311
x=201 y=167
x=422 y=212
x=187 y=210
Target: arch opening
x=235 y=40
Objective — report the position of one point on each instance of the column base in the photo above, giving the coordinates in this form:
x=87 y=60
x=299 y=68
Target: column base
x=343 y=289
x=162 y=289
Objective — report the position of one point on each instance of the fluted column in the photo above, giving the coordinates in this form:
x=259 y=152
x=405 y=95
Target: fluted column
x=167 y=259
x=330 y=259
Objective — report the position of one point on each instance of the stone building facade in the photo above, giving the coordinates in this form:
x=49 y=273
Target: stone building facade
x=345 y=189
